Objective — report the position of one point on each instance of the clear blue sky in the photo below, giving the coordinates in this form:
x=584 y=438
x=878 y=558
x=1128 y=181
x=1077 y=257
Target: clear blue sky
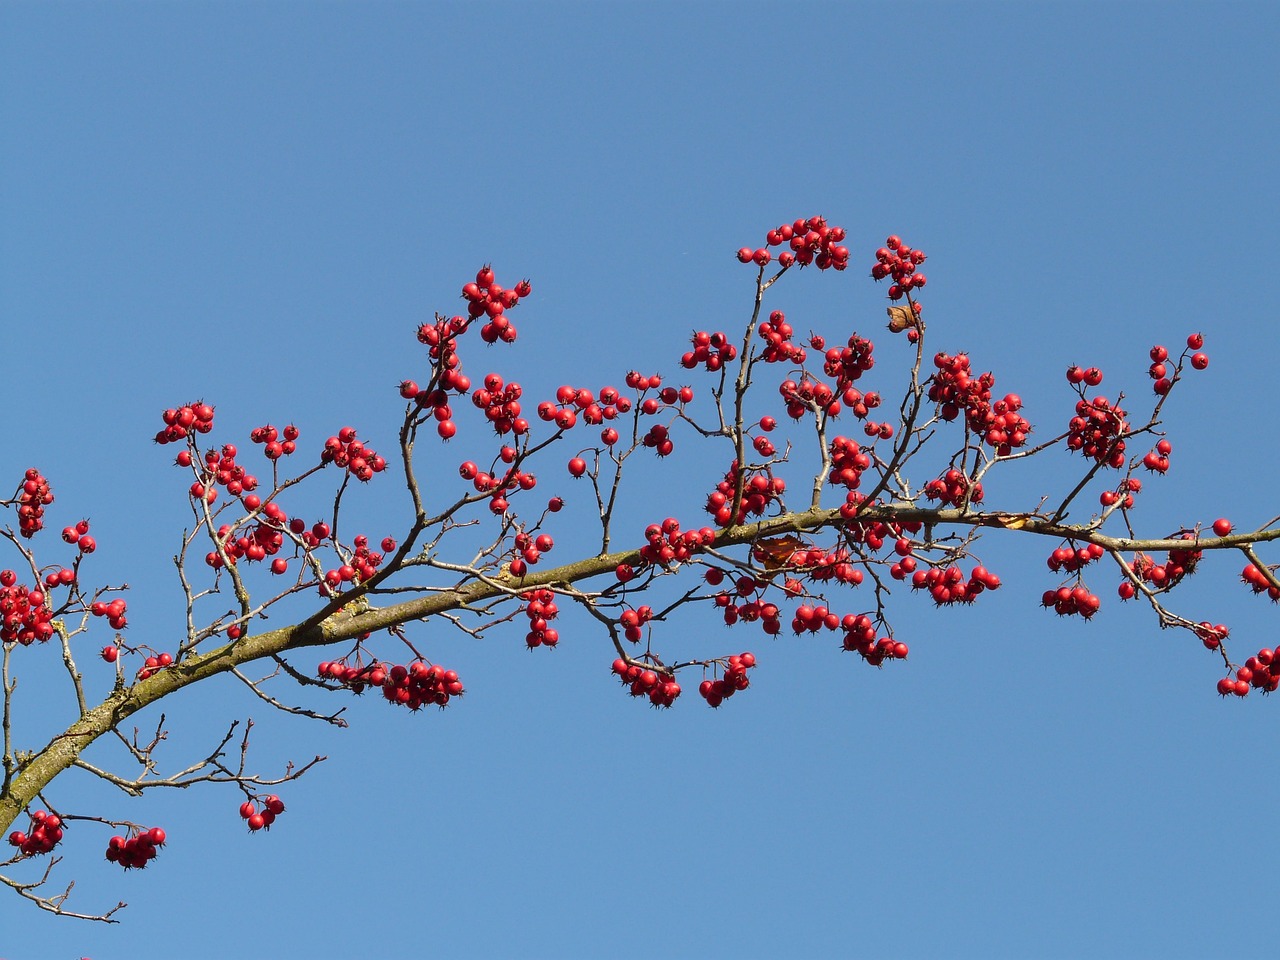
x=257 y=203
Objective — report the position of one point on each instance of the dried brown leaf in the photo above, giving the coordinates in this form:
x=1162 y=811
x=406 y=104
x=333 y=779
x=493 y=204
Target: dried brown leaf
x=900 y=318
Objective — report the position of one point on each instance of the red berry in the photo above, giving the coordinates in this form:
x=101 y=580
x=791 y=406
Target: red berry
x=1222 y=526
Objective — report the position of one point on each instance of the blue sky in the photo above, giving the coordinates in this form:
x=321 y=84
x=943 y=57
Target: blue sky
x=257 y=204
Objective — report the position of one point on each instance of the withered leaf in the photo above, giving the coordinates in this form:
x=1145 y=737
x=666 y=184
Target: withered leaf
x=900 y=318
x=1011 y=521
x=775 y=554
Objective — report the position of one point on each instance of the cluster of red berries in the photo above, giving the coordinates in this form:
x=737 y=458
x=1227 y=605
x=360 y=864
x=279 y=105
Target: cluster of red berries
x=1090 y=377
x=181 y=422
x=998 y=424
x=531 y=549
x=1163 y=576
x=905 y=566
x=62 y=577
x=136 y=851
x=1071 y=559
x=1211 y=634
x=540 y=607
x=711 y=350
x=413 y=685
x=571 y=402
x=440 y=338
x=871 y=532
x=264 y=539
x=1181 y=562
x=667 y=544
x=806 y=395
x=660 y=687
x=735 y=678
x=1096 y=429
x=777 y=334
x=255 y=819
x=26 y=617
x=344 y=450
x=437 y=401
x=1260 y=672
x=948 y=585
x=220 y=469
x=758 y=492
x=762 y=444
x=755 y=610
x=78 y=537
x=883 y=431
x=363 y=564
x=497 y=487
x=820 y=565
x=633 y=621
x=1157 y=460
x=858 y=403
x=899 y=262
x=1194 y=342
x=44 y=833
x=312 y=538
x=810 y=241
x=1159 y=371
x=952 y=488
x=860 y=637
x=273 y=448
x=1258 y=582
x=154 y=664
x=847 y=364
x=823 y=566
x=485 y=298
x=1068 y=601
x=501 y=405
x=113 y=610
x=638 y=381
x=658 y=439
x=811 y=619
x=33 y=496
x=1122 y=495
